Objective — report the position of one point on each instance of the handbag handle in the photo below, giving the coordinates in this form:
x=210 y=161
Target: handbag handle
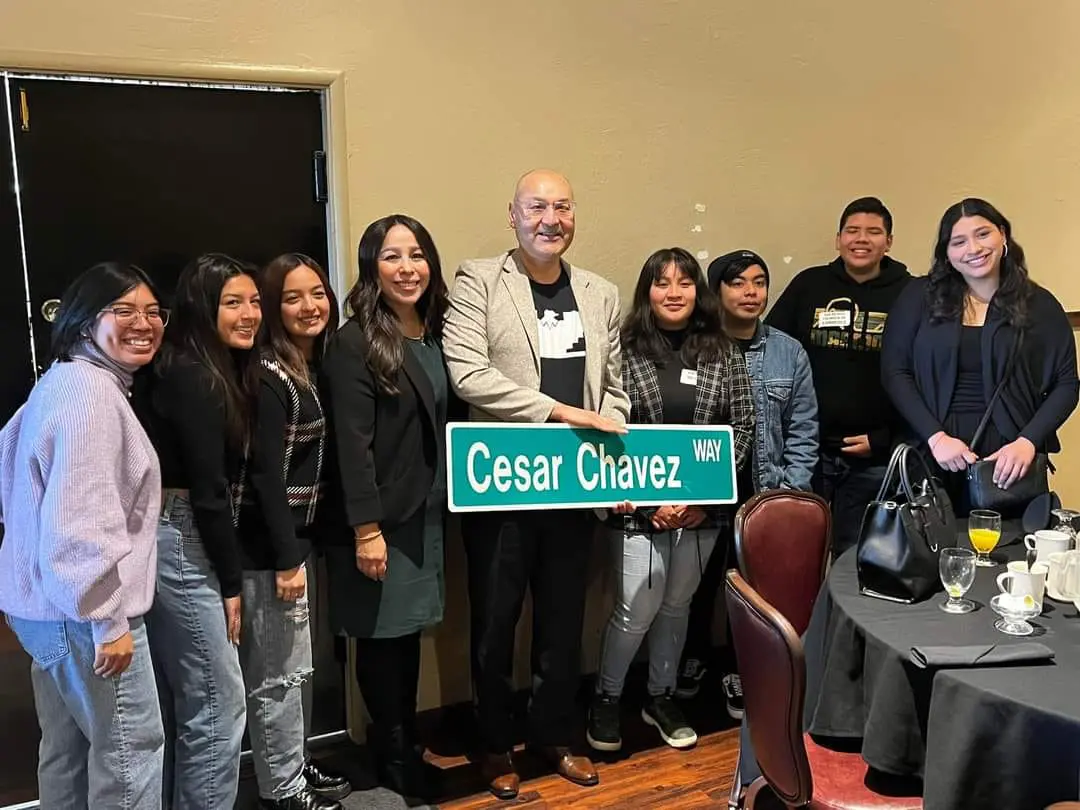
x=909 y=490
x=890 y=484
x=1010 y=364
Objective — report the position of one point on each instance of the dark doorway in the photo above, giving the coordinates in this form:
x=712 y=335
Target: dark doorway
x=152 y=173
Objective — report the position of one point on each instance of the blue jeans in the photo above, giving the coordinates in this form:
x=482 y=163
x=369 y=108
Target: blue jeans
x=199 y=679
x=101 y=738
x=655 y=577
x=275 y=655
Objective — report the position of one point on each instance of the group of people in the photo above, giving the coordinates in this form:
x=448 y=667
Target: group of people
x=170 y=476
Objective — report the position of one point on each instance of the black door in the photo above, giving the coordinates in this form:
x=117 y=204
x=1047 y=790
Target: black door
x=16 y=369
x=152 y=174
x=156 y=174
x=18 y=731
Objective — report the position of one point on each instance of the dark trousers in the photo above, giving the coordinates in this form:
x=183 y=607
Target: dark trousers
x=848 y=483
x=547 y=552
x=388 y=673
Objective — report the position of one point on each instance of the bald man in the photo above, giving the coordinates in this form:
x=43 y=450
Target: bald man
x=531 y=338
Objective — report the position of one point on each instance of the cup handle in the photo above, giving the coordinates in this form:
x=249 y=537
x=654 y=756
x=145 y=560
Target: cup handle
x=1001 y=578
x=1029 y=541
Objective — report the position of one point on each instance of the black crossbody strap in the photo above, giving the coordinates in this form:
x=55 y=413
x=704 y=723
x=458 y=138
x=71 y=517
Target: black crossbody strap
x=1009 y=366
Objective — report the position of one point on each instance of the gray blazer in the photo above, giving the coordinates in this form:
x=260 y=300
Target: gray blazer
x=492 y=344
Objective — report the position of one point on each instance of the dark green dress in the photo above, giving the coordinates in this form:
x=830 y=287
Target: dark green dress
x=412 y=596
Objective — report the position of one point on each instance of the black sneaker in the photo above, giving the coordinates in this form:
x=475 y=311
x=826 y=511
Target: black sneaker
x=603 y=732
x=664 y=713
x=689 y=683
x=732 y=685
x=325 y=782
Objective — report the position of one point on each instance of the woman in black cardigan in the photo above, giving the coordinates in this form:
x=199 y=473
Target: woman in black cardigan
x=388 y=398
x=948 y=341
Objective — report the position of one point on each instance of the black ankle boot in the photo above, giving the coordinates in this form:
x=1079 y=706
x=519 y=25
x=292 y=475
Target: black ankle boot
x=399 y=765
x=306 y=799
x=325 y=782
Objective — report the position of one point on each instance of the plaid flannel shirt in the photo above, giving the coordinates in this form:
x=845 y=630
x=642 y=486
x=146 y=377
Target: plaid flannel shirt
x=723 y=396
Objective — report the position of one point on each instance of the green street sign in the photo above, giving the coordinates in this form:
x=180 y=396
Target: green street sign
x=505 y=466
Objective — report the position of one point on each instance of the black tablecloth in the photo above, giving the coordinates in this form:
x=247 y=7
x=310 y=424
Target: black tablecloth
x=998 y=737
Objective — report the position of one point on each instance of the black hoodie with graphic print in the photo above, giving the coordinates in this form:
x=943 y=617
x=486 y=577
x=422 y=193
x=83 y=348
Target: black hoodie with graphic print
x=839 y=322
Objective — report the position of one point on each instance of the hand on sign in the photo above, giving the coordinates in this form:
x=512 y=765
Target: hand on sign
x=693 y=516
x=581 y=418
x=624 y=508
x=667 y=518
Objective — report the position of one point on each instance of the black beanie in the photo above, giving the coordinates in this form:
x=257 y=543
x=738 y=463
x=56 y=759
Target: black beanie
x=727 y=267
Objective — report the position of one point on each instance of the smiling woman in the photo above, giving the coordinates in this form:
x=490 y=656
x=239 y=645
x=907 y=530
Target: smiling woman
x=975 y=322
x=80 y=492
x=197 y=410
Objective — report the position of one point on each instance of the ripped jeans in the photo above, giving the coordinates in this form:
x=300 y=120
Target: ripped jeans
x=275 y=655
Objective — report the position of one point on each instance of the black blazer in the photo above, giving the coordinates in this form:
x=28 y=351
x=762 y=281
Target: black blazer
x=385 y=447
x=920 y=359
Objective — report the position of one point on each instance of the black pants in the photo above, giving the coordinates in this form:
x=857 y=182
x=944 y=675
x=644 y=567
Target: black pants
x=547 y=552
x=388 y=673
x=848 y=484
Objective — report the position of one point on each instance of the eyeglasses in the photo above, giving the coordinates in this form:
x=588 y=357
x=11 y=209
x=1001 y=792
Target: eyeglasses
x=535 y=209
x=127 y=316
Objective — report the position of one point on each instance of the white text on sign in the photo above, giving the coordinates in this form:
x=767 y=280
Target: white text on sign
x=594 y=467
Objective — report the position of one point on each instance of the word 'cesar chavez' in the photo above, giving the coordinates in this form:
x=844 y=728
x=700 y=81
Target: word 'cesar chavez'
x=594 y=466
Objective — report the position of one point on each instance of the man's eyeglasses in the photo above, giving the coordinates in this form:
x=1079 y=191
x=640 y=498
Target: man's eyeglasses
x=535 y=209
x=127 y=316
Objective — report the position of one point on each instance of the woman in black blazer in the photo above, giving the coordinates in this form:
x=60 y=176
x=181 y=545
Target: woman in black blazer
x=388 y=401
x=948 y=341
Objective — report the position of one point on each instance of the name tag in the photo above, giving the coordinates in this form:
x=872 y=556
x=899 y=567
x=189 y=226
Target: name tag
x=834 y=318
x=688 y=376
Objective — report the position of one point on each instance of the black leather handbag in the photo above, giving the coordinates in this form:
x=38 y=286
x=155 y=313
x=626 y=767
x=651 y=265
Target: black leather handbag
x=903 y=531
x=983 y=493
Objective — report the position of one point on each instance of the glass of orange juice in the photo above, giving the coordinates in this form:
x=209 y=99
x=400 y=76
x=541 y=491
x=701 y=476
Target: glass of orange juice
x=984 y=531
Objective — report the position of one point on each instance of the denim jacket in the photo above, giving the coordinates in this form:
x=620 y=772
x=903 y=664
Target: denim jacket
x=786 y=434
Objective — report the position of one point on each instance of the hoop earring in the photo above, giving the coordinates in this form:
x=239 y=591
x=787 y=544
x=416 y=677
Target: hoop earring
x=1006 y=253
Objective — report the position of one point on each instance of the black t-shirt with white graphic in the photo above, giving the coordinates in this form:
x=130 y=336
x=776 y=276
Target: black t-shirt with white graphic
x=562 y=342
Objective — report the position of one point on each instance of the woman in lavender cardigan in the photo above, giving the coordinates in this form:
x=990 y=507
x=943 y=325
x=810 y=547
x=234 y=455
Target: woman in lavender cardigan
x=80 y=490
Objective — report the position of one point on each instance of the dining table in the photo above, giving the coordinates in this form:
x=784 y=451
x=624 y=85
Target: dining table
x=999 y=736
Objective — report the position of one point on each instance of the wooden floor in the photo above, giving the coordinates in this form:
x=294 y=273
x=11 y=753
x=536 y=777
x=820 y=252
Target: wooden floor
x=659 y=777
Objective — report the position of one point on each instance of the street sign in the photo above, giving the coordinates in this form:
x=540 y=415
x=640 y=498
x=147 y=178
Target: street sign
x=510 y=465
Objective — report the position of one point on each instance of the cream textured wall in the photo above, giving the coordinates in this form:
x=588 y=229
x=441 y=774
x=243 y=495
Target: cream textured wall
x=771 y=114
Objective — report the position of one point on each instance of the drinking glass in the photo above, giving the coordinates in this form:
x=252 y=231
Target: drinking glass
x=957 y=569
x=984 y=531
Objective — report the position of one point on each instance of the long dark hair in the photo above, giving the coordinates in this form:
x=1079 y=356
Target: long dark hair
x=945 y=287
x=193 y=336
x=386 y=346
x=273 y=335
x=83 y=300
x=705 y=338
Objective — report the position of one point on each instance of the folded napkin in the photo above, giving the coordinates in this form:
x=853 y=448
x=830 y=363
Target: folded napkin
x=981 y=655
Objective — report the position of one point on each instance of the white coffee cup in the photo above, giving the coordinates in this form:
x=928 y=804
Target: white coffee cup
x=1046 y=542
x=1019 y=581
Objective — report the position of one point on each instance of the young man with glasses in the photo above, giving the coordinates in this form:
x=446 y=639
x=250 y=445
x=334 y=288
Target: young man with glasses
x=531 y=338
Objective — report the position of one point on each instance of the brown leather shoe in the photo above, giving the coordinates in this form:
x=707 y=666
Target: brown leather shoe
x=498 y=771
x=578 y=770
